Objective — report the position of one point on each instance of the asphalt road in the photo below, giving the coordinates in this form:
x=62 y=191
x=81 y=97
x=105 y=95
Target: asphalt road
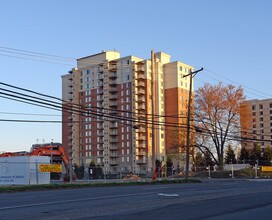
x=213 y=199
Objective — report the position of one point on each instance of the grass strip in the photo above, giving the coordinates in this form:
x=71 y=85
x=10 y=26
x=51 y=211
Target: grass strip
x=59 y=186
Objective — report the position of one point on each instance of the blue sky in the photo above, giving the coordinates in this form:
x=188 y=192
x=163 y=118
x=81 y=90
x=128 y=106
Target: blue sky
x=230 y=39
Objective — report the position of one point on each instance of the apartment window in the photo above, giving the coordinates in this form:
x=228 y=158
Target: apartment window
x=261 y=119
x=262 y=137
x=262 y=131
x=260 y=106
x=270 y=117
x=123 y=159
x=270 y=124
x=180 y=68
x=254 y=114
x=127 y=159
x=253 y=107
x=128 y=77
x=261 y=125
x=270 y=111
x=254 y=131
x=270 y=105
x=261 y=113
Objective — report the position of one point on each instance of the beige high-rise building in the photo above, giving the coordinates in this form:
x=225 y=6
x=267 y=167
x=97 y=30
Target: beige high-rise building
x=107 y=116
x=258 y=128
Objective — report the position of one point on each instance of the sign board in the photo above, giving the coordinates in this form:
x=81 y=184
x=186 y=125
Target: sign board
x=267 y=168
x=55 y=168
x=23 y=170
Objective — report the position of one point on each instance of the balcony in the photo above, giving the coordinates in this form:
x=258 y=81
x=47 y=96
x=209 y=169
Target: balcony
x=99 y=118
x=140 y=68
x=100 y=83
x=100 y=69
x=100 y=147
x=100 y=134
x=113 y=66
x=141 y=138
x=100 y=77
x=113 y=140
x=113 y=162
x=141 y=99
x=99 y=91
x=140 y=161
x=141 y=107
x=141 y=153
x=112 y=120
x=100 y=126
x=100 y=141
x=113 y=147
x=113 y=103
x=141 y=91
x=112 y=83
x=140 y=84
x=113 y=75
x=113 y=89
x=113 y=132
x=113 y=125
x=113 y=112
x=141 y=146
x=141 y=130
x=100 y=98
x=140 y=76
x=113 y=97
x=114 y=154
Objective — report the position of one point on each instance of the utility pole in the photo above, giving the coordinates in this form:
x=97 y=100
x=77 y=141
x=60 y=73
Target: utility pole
x=153 y=110
x=191 y=74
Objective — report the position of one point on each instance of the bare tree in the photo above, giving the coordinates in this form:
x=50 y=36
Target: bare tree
x=217 y=111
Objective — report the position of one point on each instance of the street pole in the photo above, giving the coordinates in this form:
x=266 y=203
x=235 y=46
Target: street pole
x=153 y=112
x=191 y=74
x=232 y=171
x=256 y=169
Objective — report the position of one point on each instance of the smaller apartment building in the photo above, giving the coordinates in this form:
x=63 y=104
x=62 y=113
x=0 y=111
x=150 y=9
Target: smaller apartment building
x=257 y=129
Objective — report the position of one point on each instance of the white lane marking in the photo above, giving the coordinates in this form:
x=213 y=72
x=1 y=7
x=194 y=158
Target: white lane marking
x=73 y=200
x=169 y=195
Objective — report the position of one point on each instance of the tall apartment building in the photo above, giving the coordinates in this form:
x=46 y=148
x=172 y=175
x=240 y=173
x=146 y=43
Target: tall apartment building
x=111 y=98
x=258 y=127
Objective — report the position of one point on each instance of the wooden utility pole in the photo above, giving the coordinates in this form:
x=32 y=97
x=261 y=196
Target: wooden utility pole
x=153 y=110
x=191 y=74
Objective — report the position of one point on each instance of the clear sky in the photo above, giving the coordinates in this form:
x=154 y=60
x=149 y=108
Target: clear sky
x=230 y=39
